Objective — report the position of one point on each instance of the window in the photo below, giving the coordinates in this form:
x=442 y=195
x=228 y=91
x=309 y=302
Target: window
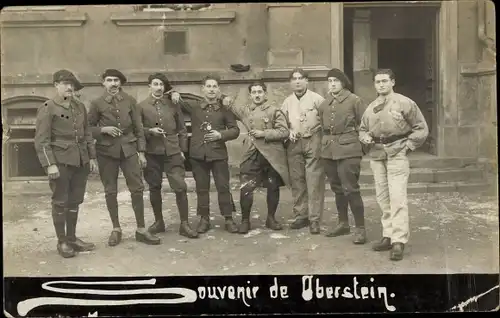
x=175 y=42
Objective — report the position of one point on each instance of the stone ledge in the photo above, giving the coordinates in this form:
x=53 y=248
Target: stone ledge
x=42 y=19
x=281 y=73
x=478 y=69
x=174 y=18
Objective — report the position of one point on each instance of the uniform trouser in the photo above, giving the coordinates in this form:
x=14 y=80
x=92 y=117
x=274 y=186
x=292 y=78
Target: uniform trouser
x=108 y=170
x=68 y=192
x=391 y=182
x=173 y=166
x=256 y=171
x=307 y=177
x=201 y=174
x=343 y=176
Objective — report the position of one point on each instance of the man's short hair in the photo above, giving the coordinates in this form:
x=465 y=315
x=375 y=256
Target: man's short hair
x=257 y=83
x=386 y=71
x=298 y=70
x=211 y=77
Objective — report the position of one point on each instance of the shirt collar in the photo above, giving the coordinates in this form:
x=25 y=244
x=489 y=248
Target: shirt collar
x=342 y=95
x=205 y=103
x=62 y=102
x=109 y=98
x=152 y=100
x=305 y=93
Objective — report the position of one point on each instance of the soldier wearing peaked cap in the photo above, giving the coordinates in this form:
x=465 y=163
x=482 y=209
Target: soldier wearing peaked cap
x=341 y=152
x=166 y=142
x=65 y=148
x=117 y=126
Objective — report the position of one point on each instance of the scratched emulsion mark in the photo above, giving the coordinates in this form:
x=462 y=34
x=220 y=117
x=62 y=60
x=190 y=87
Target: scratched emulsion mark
x=188 y=295
x=462 y=305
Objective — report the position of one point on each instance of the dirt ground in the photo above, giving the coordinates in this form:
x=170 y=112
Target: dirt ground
x=450 y=233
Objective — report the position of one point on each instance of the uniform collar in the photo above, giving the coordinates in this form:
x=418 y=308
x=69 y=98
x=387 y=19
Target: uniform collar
x=62 y=102
x=151 y=100
x=109 y=98
x=341 y=96
x=215 y=104
x=265 y=105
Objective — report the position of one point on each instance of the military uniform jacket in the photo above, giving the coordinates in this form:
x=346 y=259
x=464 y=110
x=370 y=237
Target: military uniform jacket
x=391 y=115
x=340 y=119
x=119 y=111
x=164 y=114
x=220 y=119
x=269 y=118
x=62 y=133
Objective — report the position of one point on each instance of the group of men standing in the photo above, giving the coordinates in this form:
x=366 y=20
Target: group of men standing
x=307 y=139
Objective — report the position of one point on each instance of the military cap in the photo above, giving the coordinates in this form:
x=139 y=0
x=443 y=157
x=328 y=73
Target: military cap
x=338 y=74
x=162 y=78
x=114 y=73
x=67 y=76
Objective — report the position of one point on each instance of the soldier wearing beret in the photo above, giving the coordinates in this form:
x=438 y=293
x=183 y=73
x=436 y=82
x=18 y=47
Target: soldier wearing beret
x=341 y=152
x=65 y=148
x=117 y=126
x=212 y=126
x=392 y=126
x=264 y=160
x=166 y=142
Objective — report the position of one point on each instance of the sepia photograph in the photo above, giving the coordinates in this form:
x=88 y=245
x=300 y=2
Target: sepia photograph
x=250 y=139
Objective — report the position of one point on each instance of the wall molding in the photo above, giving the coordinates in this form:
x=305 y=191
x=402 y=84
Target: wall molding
x=478 y=69
x=174 y=18
x=42 y=19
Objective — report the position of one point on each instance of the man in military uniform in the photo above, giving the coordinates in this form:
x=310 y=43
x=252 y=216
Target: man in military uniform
x=212 y=126
x=307 y=176
x=166 y=142
x=65 y=148
x=264 y=156
x=392 y=126
x=341 y=152
x=116 y=125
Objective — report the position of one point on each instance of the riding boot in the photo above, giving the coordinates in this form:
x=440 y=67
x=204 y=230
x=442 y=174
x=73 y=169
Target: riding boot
x=59 y=220
x=156 y=203
x=182 y=204
x=71 y=222
x=273 y=198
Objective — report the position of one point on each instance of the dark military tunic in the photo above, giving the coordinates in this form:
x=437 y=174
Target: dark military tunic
x=212 y=157
x=63 y=138
x=118 y=111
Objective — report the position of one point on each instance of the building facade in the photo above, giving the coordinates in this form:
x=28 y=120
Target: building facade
x=442 y=52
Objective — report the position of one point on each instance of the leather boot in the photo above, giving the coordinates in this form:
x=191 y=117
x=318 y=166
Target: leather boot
x=71 y=221
x=59 y=220
x=314 y=227
x=138 y=207
x=299 y=224
x=244 y=227
x=187 y=231
x=383 y=245
x=156 y=203
x=147 y=238
x=115 y=237
x=341 y=229
x=359 y=235
x=273 y=197
x=397 y=251
x=230 y=226
x=203 y=225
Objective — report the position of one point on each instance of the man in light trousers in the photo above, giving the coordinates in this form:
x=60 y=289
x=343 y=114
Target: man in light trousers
x=307 y=175
x=392 y=126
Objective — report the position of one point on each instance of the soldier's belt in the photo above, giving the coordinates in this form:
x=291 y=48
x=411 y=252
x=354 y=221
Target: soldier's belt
x=329 y=132
x=71 y=139
x=389 y=139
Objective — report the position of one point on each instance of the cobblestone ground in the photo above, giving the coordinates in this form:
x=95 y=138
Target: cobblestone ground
x=450 y=233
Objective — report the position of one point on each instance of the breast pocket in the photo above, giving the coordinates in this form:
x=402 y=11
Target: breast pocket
x=399 y=119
